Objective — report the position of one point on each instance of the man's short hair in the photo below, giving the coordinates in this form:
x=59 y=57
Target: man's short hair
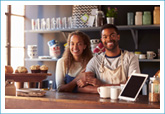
x=109 y=26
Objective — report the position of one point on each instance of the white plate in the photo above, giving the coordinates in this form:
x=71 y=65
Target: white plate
x=45 y=57
x=29 y=90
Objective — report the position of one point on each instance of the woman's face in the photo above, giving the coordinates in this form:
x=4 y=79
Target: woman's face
x=76 y=46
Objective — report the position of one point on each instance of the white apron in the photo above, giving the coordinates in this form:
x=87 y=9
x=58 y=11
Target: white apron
x=115 y=76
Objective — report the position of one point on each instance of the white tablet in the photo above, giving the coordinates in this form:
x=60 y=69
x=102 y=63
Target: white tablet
x=133 y=86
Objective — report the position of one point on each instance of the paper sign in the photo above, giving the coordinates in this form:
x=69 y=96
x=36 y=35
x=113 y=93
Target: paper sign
x=91 y=21
x=84 y=18
x=93 y=11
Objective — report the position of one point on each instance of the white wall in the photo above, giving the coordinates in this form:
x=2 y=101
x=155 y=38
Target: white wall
x=46 y=11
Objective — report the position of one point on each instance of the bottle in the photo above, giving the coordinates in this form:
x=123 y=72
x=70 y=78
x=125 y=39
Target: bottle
x=147 y=18
x=99 y=18
x=156 y=15
x=130 y=19
x=154 y=89
x=138 y=18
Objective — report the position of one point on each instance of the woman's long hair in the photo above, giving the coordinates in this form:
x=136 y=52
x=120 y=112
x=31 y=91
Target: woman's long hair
x=86 y=55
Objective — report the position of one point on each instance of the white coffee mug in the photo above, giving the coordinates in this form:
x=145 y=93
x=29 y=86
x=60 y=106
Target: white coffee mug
x=104 y=91
x=142 y=56
x=115 y=91
x=150 y=54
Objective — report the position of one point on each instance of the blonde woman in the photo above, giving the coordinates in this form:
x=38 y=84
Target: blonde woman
x=71 y=66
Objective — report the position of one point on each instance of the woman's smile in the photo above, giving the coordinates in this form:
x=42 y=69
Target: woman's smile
x=76 y=46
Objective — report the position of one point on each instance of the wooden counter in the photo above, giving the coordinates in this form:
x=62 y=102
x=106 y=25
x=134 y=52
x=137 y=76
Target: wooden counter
x=59 y=100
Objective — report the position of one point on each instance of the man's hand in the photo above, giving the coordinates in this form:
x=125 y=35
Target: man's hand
x=89 y=79
x=95 y=82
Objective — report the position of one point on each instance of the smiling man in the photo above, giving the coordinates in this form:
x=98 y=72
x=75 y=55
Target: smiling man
x=112 y=67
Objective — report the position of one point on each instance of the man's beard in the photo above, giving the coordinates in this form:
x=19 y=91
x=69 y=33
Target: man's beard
x=115 y=44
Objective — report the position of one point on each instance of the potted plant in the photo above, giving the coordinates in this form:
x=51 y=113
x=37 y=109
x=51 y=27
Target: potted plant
x=111 y=15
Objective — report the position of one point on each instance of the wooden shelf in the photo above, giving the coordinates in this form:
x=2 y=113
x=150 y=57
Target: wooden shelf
x=26 y=77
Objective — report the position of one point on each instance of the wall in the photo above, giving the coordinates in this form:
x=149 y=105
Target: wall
x=148 y=39
x=34 y=12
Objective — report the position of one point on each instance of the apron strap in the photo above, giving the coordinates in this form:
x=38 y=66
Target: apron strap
x=122 y=65
x=102 y=63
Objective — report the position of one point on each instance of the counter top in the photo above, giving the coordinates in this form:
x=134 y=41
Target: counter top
x=64 y=100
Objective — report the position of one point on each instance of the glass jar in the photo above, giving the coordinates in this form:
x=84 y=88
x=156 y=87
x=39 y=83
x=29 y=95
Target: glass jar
x=154 y=89
x=156 y=15
x=130 y=18
x=138 y=18
x=99 y=18
x=147 y=18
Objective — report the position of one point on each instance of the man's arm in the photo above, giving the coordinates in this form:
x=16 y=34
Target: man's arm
x=92 y=89
x=87 y=89
x=134 y=66
x=91 y=85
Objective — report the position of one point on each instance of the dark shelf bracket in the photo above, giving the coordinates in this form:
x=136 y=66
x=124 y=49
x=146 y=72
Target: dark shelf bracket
x=65 y=35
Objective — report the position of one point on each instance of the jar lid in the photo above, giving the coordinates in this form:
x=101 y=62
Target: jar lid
x=157 y=8
x=154 y=78
x=147 y=12
x=139 y=12
x=138 y=52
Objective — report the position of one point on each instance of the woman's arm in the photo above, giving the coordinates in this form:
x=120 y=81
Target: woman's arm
x=60 y=77
x=92 y=89
x=88 y=89
x=92 y=85
x=60 y=73
x=69 y=87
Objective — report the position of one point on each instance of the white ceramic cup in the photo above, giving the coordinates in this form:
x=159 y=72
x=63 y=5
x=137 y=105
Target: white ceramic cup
x=32 y=47
x=151 y=55
x=32 y=54
x=114 y=92
x=104 y=91
x=122 y=86
x=142 y=56
x=94 y=43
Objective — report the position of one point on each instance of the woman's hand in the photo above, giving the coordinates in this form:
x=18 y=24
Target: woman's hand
x=84 y=79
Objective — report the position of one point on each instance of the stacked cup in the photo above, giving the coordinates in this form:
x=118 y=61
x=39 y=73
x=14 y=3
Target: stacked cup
x=32 y=51
x=94 y=44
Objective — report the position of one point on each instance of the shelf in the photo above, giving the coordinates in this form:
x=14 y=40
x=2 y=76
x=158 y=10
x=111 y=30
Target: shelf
x=133 y=28
x=36 y=59
x=121 y=27
x=149 y=60
x=27 y=77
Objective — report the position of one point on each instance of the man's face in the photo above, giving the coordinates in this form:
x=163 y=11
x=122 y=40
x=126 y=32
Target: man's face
x=110 y=39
